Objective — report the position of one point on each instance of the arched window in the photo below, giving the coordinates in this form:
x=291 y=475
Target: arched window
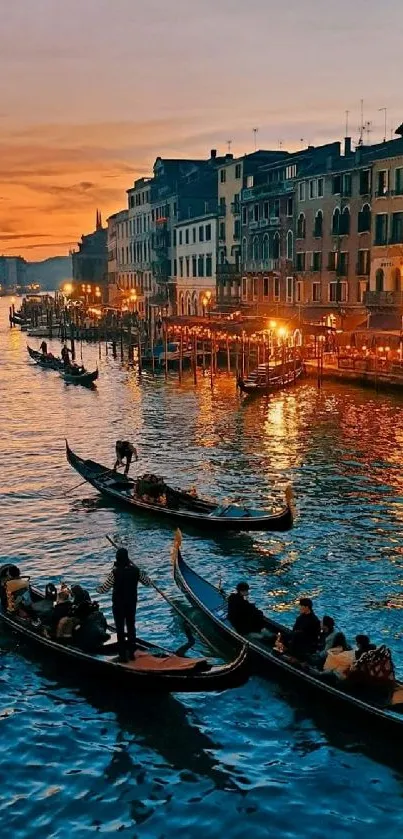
x=266 y=247
x=195 y=308
x=345 y=222
x=397 y=279
x=223 y=256
x=379 y=278
x=188 y=305
x=276 y=246
x=336 y=222
x=244 y=249
x=290 y=245
x=255 y=248
x=301 y=226
x=182 y=305
x=318 y=227
x=364 y=219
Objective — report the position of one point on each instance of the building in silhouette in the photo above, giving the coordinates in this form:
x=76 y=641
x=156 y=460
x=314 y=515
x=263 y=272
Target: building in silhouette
x=90 y=265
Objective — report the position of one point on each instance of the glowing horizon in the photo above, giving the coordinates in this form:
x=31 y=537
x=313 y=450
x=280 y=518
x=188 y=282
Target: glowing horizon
x=93 y=92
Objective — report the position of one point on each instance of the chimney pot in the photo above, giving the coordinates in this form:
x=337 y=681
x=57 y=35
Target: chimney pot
x=213 y=154
x=347 y=146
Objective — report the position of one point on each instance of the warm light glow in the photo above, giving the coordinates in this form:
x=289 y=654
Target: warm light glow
x=282 y=332
x=68 y=288
x=208 y=295
x=83 y=287
x=273 y=324
x=380 y=349
x=204 y=301
x=88 y=289
x=387 y=349
x=98 y=293
x=364 y=348
x=13 y=299
x=348 y=347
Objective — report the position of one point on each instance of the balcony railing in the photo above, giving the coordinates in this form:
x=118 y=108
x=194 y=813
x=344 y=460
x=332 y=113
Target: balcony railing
x=383 y=298
x=235 y=208
x=228 y=270
x=261 y=190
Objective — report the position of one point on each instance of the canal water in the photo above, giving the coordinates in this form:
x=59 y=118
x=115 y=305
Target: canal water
x=75 y=759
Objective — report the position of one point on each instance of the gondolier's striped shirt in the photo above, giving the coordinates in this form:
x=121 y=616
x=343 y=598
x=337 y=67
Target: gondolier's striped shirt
x=108 y=583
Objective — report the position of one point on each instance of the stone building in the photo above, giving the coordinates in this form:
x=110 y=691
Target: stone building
x=90 y=265
x=139 y=220
x=13 y=273
x=195 y=264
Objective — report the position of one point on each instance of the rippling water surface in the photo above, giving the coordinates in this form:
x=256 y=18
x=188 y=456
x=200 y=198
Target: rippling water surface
x=76 y=761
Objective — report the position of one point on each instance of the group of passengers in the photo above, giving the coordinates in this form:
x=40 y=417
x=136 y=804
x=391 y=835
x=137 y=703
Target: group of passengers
x=311 y=641
x=66 y=614
x=68 y=364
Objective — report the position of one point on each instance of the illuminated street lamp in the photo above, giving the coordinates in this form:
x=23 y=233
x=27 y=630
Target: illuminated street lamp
x=67 y=289
x=98 y=292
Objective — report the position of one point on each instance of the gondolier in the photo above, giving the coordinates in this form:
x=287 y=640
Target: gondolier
x=124 y=451
x=123 y=580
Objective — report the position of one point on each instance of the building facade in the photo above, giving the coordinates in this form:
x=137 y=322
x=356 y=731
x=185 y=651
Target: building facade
x=195 y=264
x=90 y=265
x=13 y=273
x=139 y=219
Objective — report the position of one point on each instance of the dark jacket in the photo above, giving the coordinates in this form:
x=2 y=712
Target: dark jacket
x=306 y=630
x=244 y=616
x=123 y=580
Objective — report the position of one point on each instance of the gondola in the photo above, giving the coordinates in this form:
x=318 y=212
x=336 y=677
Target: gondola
x=180 y=505
x=265 y=660
x=52 y=363
x=85 y=378
x=267 y=378
x=153 y=668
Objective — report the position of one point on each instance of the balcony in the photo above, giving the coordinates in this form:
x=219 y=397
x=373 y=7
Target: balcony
x=222 y=210
x=262 y=190
x=262 y=265
x=235 y=208
x=227 y=271
x=383 y=299
x=381 y=193
x=253 y=225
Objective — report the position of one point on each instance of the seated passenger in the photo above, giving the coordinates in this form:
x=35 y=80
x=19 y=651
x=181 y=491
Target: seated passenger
x=327 y=634
x=43 y=608
x=245 y=617
x=15 y=588
x=92 y=630
x=363 y=645
x=339 y=658
x=304 y=638
x=62 y=609
x=80 y=595
x=373 y=668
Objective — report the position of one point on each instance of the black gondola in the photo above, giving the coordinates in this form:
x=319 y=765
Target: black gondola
x=213 y=604
x=84 y=378
x=267 y=378
x=153 y=669
x=180 y=505
x=44 y=361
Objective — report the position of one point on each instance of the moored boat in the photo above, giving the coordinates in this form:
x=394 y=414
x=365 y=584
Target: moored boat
x=369 y=706
x=153 y=668
x=267 y=378
x=177 y=504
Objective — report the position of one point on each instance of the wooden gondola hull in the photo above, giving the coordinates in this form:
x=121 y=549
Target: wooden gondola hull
x=268 y=663
x=91 y=472
x=273 y=383
x=104 y=668
x=85 y=379
x=45 y=363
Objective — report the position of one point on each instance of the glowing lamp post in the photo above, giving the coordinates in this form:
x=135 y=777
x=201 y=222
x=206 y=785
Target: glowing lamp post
x=133 y=300
x=206 y=303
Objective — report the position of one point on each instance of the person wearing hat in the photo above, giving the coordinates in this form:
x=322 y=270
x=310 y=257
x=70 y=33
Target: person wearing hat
x=245 y=617
x=123 y=580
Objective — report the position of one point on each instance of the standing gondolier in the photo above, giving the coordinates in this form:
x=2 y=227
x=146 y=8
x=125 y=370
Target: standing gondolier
x=124 y=451
x=123 y=580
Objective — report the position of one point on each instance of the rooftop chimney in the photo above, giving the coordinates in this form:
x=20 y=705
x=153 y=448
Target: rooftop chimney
x=229 y=156
x=347 y=146
x=213 y=154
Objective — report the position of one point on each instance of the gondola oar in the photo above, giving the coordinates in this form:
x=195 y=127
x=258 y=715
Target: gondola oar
x=101 y=475
x=174 y=607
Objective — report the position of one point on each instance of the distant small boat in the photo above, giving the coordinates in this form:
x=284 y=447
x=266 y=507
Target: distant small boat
x=172 y=356
x=44 y=331
x=84 y=378
x=267 y=377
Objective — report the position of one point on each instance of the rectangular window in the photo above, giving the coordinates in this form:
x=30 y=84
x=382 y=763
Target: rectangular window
x=244 y=215
x=208 y=232
x=336 y=185
x=209 y=265
x=320 y=187
x=316 y=293
x=181 y=266
x=381 y=229
x=265 y=286
x=244 y=288
x=237 y=229
x=364 y=219
x=332 y=261
x=188 y=266
x=180 y=237
x=347 y=184
x=299 y=292
x=194 y=235
x=300 y=261
x=398 y=181
x=238 y=171
x=249 y=181
x=200 y=266
x=290 y=206
x=201 y=233
x=276 y=208
x=363 y=263
x=256 y=212
x=396 y=233
x=266 y=210
x=291 y=172
x=343 y=264
x=276 y=288
x=382 y=183
x=223 y=176
x=290 y=289
x=312 y=189
x=194 y=266
x=333 y=296
x=174 y=238
x=301 y=191
x=255 y=288
x=316 y=261
x=222 y=231
x=365 y=186
x=187 y=236
x=338 y=292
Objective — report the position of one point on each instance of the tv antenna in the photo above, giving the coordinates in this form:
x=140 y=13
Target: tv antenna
x=385 y=115
x=229 y=144
x=255 y=133
x=347 y=116
x=361 y=126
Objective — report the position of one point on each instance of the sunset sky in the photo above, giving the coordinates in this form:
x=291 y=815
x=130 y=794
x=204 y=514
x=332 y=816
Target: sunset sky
x=93 y=90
